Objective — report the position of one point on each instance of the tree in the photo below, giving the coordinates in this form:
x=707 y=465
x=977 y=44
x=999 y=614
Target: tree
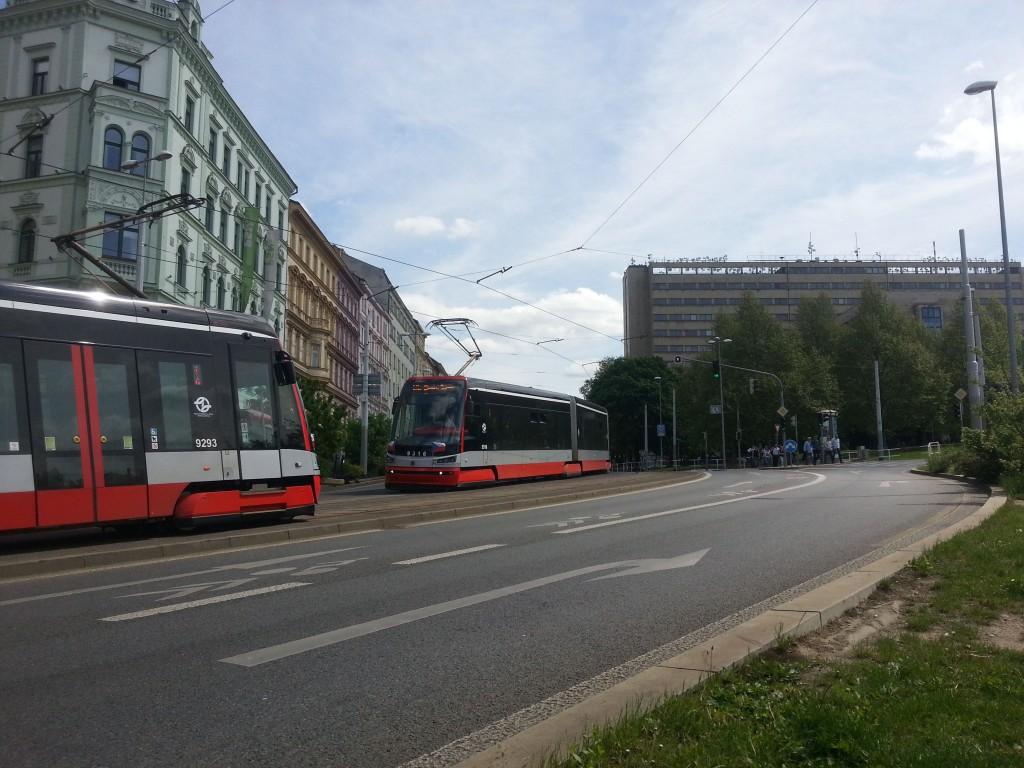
x=326 y=420
x=623 y=386
x=377 y=436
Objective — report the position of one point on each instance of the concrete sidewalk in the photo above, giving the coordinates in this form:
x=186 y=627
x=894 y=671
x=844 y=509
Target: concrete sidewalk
x=350 y=509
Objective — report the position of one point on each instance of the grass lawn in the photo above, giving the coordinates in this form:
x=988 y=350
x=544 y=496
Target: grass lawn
x=932 y=690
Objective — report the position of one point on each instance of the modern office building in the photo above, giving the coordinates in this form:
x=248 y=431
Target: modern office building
x=670 y=307
x=87 y=86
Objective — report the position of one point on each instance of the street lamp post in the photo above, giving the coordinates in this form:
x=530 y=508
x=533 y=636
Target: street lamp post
x=661 y=427
x=972 y=90
x=140 y=263
x=718 y=341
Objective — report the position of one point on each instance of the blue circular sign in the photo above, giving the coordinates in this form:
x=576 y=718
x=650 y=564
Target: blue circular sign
x=790 y=446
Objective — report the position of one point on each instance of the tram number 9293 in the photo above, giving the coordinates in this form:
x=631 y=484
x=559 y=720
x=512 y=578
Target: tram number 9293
x=206 y=442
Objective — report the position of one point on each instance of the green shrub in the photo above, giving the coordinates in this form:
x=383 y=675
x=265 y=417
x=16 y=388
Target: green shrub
x=1013 y=485
x=999 y=450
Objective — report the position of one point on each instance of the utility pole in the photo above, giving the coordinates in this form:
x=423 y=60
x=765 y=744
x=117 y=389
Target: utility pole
x=721 y=400
x=675 y=445
x=970 y=342
x=364 y=395
x=878 y=412
x=645 y=431
x=978 y=351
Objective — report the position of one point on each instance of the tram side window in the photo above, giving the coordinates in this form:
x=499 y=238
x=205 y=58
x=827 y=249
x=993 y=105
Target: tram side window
x=291 y=426
x=593 y=430
x=13 y=437
x=254 y=393
x=178 y=402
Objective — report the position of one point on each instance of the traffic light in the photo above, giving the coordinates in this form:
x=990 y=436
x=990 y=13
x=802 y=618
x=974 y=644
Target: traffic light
x=716 y=370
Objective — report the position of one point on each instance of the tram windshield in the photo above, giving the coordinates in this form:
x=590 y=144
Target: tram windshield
x=428 y=418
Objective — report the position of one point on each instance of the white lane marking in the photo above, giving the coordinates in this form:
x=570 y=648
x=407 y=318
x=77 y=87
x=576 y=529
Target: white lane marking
x=219 y=569
x=745 y=482
x=273 y=571
x=204 y=601
x=455 y=553
x=324 y=639
x=653 y=565
x=704 y=476
x=889 y=483
x=318 y=568
x=817 y=479
x=183 y=590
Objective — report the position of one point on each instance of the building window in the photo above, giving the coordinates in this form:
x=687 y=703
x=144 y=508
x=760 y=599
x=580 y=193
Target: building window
x=34 y=156
x=182 y=271
x=140 y=154
x=209 y=216
x=120 y=242
x=40 y=71
x=113 y=146
x=267 y=216
x=314 y=356
x=259 y=195
x=236 y=305
x=245 y=191
x=213 y=144
x=186 y=182
x=27 y=242
x=206 y=285
x=226 y=165
x=931 y=317
x=190 y=113
x=224 y=225
x=221 y=292
x=238 y=174
x=280 y=222
x=280 y=274
x=127 y=75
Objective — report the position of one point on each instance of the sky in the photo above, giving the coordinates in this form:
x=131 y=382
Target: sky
x=464 y=136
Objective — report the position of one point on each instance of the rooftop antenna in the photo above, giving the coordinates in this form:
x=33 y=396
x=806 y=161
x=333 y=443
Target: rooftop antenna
x=810 y=245
x=935 y=255
x=878 y=255
x=446 y=326
x=856 y=247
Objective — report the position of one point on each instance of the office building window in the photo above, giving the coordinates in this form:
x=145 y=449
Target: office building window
x=122 y=242
x=34 y=157
x=140 y=153
x=40 y=71
x=113 y=147
x=190 y=113
x=27 y=242
x=127 y=75
x=186 y=182
x=931 y=317
x=213 y=144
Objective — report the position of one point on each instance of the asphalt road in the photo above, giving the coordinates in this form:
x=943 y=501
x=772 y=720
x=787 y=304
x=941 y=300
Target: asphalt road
x=376 y=648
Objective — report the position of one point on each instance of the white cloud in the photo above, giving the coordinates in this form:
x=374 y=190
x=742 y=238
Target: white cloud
x=974 y=66
x=420 y=226
x=615 y=275
x=428 y=226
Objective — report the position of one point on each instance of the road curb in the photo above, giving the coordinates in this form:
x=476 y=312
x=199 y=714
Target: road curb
x=796 y=617
x=199 y=545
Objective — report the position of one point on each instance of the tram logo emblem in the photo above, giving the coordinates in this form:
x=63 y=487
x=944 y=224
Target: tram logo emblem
x=202 y=405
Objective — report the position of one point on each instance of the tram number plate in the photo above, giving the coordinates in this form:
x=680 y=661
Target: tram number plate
x=206 y=442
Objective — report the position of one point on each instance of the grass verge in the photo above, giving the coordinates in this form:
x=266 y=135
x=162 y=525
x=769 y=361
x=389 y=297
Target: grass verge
x=930 y=691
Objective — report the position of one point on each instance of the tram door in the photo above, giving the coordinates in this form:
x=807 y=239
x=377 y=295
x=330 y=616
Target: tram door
x=86 y=433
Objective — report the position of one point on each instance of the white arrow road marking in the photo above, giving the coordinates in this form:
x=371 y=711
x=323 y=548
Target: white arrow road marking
x=324 y=639
x=318 y=568
x=455 y=553
x=190 y=589
x=656 y=564
x=745 y=482
x=205 y=601
x=889 y=483
x=219 y=569
x=746 y=497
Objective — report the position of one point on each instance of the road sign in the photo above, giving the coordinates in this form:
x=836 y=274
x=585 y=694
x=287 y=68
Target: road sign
x=960 y=394
x=790 y=446
x=661 y=430
x=782 y=411
x=715 y=409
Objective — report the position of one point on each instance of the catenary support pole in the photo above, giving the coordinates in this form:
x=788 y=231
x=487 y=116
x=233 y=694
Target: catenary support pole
x=970 y=343
x=675 y=445
x=721 y=401
x=878 y=411
x=364 y=396
x=645 y=432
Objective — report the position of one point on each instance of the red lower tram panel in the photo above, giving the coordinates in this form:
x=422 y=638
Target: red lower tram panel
x=214 y=503
x=456 y=477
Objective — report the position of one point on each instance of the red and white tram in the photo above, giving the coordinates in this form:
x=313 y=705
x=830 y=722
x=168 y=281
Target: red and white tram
x=453 y=431
x=116 y=410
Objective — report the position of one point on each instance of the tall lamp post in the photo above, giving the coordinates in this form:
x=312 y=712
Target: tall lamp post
x=661 y=423
x=973 y=90
x=718 y=341
x=140 y=262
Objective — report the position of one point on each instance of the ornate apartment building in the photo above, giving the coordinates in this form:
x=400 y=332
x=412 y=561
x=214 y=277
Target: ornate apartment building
x=323 y=309
x=670 y=307
x=90 y=85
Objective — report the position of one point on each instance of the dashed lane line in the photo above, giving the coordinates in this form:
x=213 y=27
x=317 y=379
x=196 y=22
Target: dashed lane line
x=442 y=555
x=174 y=607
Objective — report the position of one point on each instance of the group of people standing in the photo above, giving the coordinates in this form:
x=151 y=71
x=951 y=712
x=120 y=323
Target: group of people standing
x=826 y=450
